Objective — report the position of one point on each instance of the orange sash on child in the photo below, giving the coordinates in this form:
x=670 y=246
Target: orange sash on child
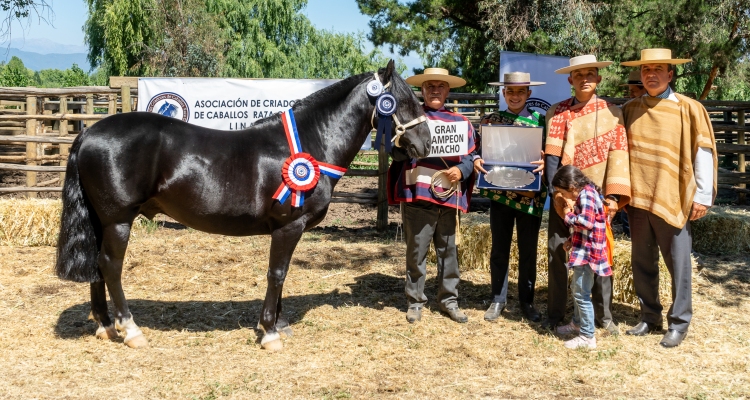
x=610 y=240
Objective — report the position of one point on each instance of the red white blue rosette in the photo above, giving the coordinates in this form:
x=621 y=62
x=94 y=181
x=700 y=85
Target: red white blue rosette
x=301 y=172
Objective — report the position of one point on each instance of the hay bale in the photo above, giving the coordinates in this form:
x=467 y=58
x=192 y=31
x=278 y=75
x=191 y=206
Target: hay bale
x=36 y=222
x=724 y=230
x=29 y=222
x=476 y=242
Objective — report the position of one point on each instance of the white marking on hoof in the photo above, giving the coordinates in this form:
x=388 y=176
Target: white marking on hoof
x=137 y=342
x=272 y=342
x=106 y=332
x=134 y=337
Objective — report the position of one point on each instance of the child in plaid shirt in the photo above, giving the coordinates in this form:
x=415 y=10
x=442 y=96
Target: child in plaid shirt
x=584 y=214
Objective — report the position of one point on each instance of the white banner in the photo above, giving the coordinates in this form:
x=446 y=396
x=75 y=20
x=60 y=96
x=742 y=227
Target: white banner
x=448 y=138
x=226 y=104
x=542 y=69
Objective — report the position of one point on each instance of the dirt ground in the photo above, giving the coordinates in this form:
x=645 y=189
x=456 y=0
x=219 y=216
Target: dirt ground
x=197 y=297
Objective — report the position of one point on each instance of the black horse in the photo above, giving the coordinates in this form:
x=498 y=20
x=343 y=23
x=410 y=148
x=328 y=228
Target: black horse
x=215 y=181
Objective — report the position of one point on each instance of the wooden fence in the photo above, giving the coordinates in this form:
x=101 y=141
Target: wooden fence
x=37 y=127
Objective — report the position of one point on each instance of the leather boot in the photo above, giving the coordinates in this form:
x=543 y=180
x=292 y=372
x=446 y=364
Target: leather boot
x=493 y=313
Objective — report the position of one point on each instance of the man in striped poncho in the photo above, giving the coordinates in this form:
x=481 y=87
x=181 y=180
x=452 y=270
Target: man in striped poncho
x=428 y=206
x=673 y=167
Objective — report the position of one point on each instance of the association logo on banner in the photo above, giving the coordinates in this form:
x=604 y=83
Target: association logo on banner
x=539 y=105
x=169 y=104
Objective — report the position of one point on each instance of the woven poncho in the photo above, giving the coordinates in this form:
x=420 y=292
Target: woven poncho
x=592 y=138
x=664 y=137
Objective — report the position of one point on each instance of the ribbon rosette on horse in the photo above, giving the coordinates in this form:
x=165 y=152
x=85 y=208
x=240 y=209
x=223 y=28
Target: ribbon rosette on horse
x=300 y=171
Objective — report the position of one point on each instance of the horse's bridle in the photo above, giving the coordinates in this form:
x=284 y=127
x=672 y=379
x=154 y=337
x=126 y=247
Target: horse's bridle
x=400 y=128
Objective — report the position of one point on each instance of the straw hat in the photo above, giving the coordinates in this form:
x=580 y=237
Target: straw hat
x=656 y=56
x=587 y=61
x=634 y=79
x=516 y=79
x=435 y=74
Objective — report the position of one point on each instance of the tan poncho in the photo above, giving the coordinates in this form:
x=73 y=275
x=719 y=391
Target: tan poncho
x=592 y=138
x=664 y=137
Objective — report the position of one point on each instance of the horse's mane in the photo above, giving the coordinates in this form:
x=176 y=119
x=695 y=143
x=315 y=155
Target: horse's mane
x=333 y=92
x=337 y=91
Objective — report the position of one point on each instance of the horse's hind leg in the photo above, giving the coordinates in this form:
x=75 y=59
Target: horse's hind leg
x=283 y=243
x=114 y=243
x=99 y=313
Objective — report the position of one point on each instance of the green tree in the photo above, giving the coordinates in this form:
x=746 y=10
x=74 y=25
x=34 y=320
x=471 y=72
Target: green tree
x=712 y=32
x=75 y=76
x=49 y=78
x=237 y=38
x=466 y=36
x=15 y=74
x=116 y=32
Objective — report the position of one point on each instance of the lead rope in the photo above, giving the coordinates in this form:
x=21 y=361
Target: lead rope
x=447 y=193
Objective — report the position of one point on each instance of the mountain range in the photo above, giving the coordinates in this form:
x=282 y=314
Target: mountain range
x=38 y=54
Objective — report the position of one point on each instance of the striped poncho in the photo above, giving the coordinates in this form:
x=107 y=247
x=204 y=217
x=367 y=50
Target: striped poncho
x=664 y=137
x=592 y=138
x=410 y=180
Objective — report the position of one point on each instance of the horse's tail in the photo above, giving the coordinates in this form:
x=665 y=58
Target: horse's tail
x=77 y=245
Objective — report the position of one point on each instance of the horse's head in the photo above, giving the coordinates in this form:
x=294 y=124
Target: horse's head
x=415 y=135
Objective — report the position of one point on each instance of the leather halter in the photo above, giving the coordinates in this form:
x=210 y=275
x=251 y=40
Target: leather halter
x=400 y=128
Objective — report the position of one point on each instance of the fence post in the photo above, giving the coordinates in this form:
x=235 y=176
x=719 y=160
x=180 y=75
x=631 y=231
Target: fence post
x=89 y=108
x=64 y=148
x=382 y=219
x=31 y=156
x=125 y=93
x=112 y=107
x=741 y=156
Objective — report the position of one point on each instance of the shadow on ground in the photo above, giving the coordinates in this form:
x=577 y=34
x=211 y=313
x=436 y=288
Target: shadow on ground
x=375 y=290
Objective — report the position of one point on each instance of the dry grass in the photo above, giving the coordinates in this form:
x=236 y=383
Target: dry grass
x=724 y=230
x=197 y=296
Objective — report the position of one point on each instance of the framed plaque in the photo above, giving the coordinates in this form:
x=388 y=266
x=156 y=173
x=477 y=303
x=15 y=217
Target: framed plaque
x=507 y=152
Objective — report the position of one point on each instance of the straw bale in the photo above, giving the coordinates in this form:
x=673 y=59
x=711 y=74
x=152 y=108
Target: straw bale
x=723 y=230
x=29 y=222
x=36 y=222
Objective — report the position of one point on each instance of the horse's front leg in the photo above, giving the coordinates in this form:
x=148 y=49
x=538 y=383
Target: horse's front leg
x=283 y=242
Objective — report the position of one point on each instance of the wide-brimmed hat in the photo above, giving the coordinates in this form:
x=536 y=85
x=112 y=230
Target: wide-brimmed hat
x=516 y=79
x=656 y=56
x=587 y=61
x=436 y=74
x=634 y=79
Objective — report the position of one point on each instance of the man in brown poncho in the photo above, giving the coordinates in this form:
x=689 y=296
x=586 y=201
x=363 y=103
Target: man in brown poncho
x=673 y=169
x=588 y=133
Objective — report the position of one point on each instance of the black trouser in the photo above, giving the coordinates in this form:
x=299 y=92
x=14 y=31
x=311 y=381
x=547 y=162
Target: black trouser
x=651 y=234
x=502 y=220
x=557 y=292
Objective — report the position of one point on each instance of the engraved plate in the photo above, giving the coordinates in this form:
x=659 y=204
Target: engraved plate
x=509 y=177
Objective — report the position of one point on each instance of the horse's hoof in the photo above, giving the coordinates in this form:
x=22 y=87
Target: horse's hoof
x=272 y=342
x=274 y=345
x=106 y=333
x=137 y=342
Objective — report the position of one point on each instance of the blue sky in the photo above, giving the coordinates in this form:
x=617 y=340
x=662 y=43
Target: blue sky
x=70 y=15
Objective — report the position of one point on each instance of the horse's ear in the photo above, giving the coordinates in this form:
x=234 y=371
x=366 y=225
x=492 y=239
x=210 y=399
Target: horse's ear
x=389 y=69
